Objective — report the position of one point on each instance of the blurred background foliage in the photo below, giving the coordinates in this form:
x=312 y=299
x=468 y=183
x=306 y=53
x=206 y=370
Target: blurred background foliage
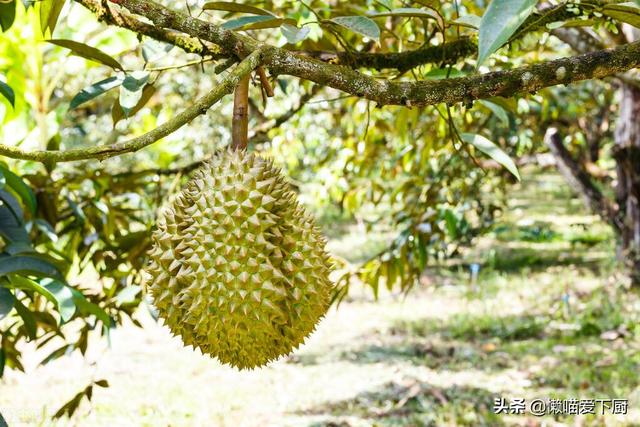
x=75 y=234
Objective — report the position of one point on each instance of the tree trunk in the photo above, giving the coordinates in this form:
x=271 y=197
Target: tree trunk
x=627 y=156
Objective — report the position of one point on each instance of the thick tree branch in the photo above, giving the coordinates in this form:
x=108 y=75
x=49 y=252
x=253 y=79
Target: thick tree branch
x=501 y=83
x=580 y=180
x=101 y=152
x=123 y=19
x=447 y=53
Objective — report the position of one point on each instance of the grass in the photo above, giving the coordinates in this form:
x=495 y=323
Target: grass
x=548 y=317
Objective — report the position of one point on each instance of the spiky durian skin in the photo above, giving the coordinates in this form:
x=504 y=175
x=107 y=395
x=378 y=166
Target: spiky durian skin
x=237 y=267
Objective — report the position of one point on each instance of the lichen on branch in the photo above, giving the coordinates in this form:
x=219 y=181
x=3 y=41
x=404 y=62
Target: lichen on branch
x=526 y=79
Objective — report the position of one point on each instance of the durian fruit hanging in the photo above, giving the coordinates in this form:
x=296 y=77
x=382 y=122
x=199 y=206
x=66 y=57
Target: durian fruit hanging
x=237 y=267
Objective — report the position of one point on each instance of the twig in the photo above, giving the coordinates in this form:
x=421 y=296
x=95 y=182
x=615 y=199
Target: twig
x=102 y=152
x=264 y=80
x=185 y=65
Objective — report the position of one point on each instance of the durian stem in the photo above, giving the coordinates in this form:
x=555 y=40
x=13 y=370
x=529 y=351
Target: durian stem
x=240 y=123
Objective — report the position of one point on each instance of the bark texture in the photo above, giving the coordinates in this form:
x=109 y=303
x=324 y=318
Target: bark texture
x=627 y=156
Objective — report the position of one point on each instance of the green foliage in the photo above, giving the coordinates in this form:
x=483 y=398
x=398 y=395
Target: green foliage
x=88 y=52
x=95 y=90
x=70 y=407
x=7 y=14
x=499 y=22
x=359 y=24
x=7 y=92
x=49 y=11
x=492 y=150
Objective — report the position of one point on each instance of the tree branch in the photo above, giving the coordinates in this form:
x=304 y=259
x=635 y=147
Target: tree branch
x=447 y=53
x=579 y=179
x=101 y=152
x=122 y=19
x=531 y=78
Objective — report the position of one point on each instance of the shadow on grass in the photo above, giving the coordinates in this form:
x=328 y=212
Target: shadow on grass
x=413 y=403
x=493 y=343
x=511 y=260
x=464 y=342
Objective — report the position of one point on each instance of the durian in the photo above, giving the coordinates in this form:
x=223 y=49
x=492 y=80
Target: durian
x=237 y=267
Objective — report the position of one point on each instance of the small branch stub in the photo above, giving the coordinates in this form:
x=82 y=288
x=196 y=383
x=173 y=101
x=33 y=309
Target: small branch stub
x=240 y=121
x=264 y=80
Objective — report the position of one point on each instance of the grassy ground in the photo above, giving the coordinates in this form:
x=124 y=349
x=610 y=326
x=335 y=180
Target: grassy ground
x=546 y=318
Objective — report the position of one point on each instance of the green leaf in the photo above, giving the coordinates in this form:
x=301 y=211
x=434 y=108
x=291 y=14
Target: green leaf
x=71 y=406
x=85 y=306
x=65 y=349
x=27 y=318
x=268 y=23
x=235 y=7
x=359 y=24
x=492 y=150
x=501 y=19
x=20 y=282
x=21 y=189
x=471 y=21
x=622 y=13
x=6 y=301
x=131 y=90
x=30 y=265
x=102 y=383
x=117 y=113
x=497 y=110
x=10 y=228
x=445 y=73
x=7 y=92
x=7 y=14
x=451 y=221
x=87 y=52
x=294 y=34
x=153 y=50
x=64 y=296
x=127 y=295
x=47 y=229
x=49 y=13
x=19 y=247
x=406 y=11
x=95 y=90
x=7 y=199
x=240 y=23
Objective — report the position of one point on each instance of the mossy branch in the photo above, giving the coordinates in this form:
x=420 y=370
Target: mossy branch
x=122 y=19
x=526 y=79
x=446 y=53
x=102 y=152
